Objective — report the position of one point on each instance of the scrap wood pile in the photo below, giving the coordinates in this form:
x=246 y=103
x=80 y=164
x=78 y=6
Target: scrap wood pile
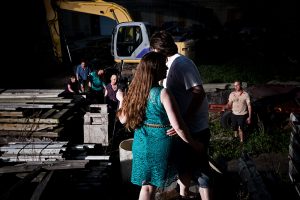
x=38 y=170
x=32 y=179
x=37 y=153
x=33 y=113
x=33 y=151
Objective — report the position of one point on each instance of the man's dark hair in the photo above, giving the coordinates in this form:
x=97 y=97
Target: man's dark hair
x=164 y=43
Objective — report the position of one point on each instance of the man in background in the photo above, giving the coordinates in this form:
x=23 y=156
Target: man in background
x=239 y=103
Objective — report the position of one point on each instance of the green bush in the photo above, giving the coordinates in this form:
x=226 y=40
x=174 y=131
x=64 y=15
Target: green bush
x=253 y=73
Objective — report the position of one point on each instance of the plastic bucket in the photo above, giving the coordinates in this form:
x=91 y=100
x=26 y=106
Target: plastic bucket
x=125 y=153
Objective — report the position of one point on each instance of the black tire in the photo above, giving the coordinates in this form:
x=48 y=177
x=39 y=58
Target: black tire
x=256 y=125
x=226 y=119
x=260 y=127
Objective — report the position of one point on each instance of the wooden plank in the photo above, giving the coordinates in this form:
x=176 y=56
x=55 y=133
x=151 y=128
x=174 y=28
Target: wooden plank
x=63 y=105
x=70 y=105
x=60 y=113
x=11 y=114
x=9 y=106
x=29 y=120
x=31 y=145
x=27 y=95
x=39 y=142
x=83 y=146
x=37 y=91
x=49 y=134
x=96 y=157
x=48 y=113
x=33 y=151
x=48 y=165
x=41 y=187
x=9 y=193
x=10 y=103
x=105 y=115
x=27 y=158
x=26 y=127
x=35 y=100
x=98 y=106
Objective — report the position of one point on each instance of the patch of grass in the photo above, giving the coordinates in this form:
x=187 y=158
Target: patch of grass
x=265 y=143
x=226 y=150
x=223 y=145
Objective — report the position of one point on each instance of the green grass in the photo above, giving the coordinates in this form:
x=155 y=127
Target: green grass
x=223 y=145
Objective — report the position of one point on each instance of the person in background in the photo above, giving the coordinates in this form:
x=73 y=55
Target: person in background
x=184 y=82
x=82 y=73
x=112 y=101
x=72 y=88
x=239 y=103
x=97 y=86
x=150 y=110
x=110 y=94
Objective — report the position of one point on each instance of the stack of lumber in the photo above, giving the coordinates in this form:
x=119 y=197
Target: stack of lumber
x=33 y=113
x=33 y=151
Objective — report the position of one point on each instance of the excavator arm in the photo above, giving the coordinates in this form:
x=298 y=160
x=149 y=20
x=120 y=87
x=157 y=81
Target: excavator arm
x=98 y=7
x=106 y=9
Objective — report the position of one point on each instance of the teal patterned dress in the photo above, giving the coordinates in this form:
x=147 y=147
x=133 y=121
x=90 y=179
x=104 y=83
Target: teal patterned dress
x=152 y=147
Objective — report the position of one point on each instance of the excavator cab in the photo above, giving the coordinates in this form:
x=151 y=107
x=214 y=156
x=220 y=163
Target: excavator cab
x=130 y=41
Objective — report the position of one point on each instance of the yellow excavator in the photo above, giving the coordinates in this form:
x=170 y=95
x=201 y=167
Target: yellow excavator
x=130 y=40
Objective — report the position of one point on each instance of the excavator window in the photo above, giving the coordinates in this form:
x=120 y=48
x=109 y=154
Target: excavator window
x=129 y=38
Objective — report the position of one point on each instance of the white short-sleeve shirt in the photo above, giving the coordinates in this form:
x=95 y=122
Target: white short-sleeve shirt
x=182 y=75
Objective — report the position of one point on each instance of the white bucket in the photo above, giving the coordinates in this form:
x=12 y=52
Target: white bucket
x=125 y=152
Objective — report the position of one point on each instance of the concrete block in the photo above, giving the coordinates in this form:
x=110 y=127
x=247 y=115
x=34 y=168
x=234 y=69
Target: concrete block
x=97 y=134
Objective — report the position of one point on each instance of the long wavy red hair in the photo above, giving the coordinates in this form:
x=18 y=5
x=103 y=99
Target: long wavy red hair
x=147 y=75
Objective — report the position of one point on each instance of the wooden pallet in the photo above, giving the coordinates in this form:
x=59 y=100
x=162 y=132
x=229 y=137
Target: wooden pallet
x=33 y=113
x=34 y=122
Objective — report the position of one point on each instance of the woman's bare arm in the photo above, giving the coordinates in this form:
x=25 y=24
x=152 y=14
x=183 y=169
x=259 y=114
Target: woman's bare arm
x=174 y=116
x=120 y=97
